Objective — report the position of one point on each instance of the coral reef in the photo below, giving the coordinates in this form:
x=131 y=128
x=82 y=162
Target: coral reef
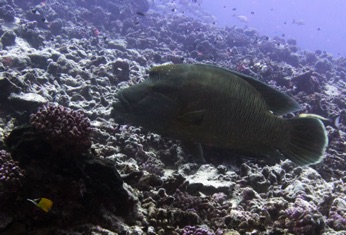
x=8 y=39
x=7 y=12
x=63 y=128
x=301 y=218
x=11 y=175
x=105 y=176
x=193 y=230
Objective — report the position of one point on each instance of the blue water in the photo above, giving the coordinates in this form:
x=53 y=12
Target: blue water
x=323 y=28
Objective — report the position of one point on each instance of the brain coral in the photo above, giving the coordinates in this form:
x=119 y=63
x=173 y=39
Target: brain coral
x=63 y=128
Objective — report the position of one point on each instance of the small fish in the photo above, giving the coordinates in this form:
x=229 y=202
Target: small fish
x=252 y=13
x=241 y=18
x=298 y=21
x=36 y=12
x=337 y=122
x=204 y=104
x=140 y=13
x=44 y=203
x=44 y=20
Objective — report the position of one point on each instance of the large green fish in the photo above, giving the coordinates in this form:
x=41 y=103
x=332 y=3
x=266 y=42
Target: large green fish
x=209 y=105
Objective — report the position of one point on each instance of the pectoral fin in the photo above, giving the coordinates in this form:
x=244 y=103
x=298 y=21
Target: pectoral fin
x=194 y=150
x=192 y=118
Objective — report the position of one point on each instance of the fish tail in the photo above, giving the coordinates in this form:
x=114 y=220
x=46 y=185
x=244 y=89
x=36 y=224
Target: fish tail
x=308 y=141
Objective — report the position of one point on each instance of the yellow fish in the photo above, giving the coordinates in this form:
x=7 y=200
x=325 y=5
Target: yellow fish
x=43 y=203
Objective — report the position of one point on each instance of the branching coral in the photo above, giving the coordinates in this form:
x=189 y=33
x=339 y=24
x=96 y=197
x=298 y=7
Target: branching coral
x=11 y=175
x=63 y=128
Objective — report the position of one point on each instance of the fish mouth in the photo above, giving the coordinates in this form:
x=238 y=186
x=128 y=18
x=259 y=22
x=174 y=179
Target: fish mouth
x=121 y=106
x=124 y=102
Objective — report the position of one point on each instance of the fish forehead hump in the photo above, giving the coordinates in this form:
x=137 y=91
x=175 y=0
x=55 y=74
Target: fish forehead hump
x=207 y=75
x=223 y=80
x=200 y=83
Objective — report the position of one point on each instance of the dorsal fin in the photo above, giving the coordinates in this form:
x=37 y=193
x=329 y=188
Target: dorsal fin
x=278 y=102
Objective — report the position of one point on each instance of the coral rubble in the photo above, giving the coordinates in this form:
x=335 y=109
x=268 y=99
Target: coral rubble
x=67 y=59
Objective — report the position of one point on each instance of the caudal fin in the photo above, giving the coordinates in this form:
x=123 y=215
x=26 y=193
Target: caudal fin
x=308 y=141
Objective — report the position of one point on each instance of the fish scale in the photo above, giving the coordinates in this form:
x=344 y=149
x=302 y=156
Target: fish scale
x=205 y=104
x=250 y=133
x=241 y=115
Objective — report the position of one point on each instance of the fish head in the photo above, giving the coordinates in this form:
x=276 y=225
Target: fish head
x=152 y=104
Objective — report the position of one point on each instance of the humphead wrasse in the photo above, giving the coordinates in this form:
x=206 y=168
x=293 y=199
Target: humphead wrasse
x=209 y=105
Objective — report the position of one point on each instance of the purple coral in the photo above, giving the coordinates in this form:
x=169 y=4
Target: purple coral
x=194 y=230
x=154 y=165
x=301 y=218
x=11 y=175
x=336 y=221
x=63 y=128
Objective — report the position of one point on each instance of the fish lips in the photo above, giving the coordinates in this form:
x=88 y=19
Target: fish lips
x=121 y=106
x=144 y=106
x=128 y=100
x=124 y=102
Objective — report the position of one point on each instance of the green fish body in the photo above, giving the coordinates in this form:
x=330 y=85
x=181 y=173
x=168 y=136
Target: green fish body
x=209 y=105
